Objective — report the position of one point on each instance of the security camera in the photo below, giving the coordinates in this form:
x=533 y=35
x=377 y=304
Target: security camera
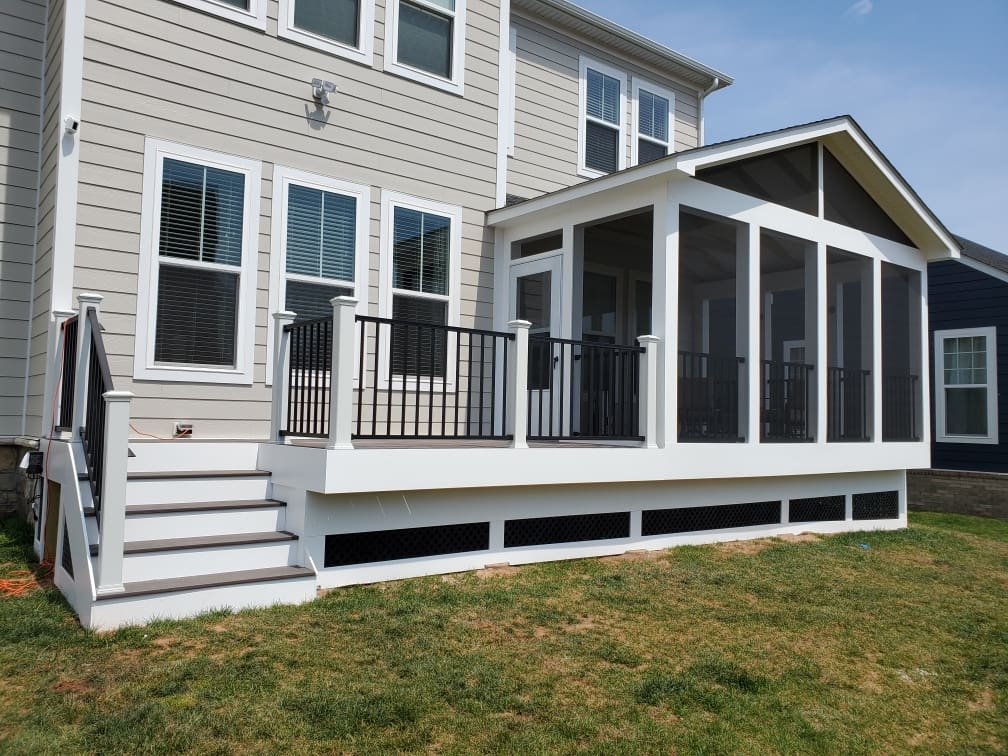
x=71 y=124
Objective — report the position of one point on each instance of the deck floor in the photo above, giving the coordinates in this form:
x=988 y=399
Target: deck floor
x=460 y=443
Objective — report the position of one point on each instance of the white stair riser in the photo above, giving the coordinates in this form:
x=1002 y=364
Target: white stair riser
x=193 y=455
x=195 y=490
x=204 y=523
x=184 y=563
x=111 y=613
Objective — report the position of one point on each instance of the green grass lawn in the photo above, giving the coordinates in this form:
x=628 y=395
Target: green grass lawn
x=800 y=646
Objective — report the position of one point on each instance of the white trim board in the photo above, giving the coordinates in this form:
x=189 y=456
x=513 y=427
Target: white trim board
x=983 y=268
x=144 y=367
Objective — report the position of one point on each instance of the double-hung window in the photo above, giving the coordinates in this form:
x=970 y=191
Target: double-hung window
x=421 y=264
x=340 y=27
x=425 y=41
x=249 y=12
x=320 y=245
x=966 y=386
x=653 y=122
x=602 y=120
x=196 y=290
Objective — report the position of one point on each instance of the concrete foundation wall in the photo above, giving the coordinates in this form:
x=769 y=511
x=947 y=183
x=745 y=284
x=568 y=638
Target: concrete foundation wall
x=15 y=488
x=959 y=492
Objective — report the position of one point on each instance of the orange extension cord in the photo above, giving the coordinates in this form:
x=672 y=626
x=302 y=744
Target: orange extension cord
x=22 y=582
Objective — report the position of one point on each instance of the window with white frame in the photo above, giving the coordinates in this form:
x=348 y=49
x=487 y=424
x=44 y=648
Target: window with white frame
x=602 y=120
x=425 y=41
x=320 y=245
x=966 y=386
x=653 y=119
x=421 y=263
x=249 y=12
x=196 y=290
x=340 y=27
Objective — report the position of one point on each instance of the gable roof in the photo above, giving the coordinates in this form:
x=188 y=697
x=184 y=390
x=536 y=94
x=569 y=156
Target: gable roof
x=983 y=254
x=847 y=142
x=610 y=35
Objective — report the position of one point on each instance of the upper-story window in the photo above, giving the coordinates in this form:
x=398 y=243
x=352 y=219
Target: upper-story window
x=602 y=121
x=425 y=41
x=199 y=243
x=249 y=12
x=340 y=27
x=654 y=128
x=966 y=398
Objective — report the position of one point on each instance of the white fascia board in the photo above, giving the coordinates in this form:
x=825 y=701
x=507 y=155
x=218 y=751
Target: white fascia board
x=983 y=268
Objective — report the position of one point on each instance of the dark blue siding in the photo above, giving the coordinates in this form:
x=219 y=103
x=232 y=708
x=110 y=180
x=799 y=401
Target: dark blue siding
x=961 y=297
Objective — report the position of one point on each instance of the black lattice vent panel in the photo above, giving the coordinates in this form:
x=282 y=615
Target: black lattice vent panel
x=722 y=517
x=343 y=549
x=539 y=531
x=818 y=509
x=879 y=505
x=67 y=557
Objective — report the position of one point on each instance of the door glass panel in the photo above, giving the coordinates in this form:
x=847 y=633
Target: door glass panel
x=598 y=321
x=534 y=293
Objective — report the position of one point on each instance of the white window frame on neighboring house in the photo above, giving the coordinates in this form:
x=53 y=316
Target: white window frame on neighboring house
x=144 y=365
x=584 y=64
x=255 y=16
x=389 y=202
x=362 y=53
x=990 y=335
x=456 y=82
x=283 y=178
x=647 y=86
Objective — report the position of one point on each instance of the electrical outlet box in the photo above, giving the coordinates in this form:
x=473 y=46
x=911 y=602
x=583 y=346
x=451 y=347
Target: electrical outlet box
x=183 y=430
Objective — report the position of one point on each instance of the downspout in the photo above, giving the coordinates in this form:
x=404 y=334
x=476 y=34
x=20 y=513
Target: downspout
x=703 y=96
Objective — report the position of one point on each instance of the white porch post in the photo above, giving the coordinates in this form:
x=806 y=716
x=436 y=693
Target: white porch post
x=876 y=365
x=649 y=390
x=341 y=372
x=820 y=311
x=281 y=373
x=869 y=297
x=665 y=318
x=754 y=363
x=60 y=318
x=113 y=492
x=518 y=383
x=85 y=303
x=567 y=285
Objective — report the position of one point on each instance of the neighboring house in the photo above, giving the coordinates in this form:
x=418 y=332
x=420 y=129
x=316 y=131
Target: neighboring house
x=424 y=285
x=968 y=303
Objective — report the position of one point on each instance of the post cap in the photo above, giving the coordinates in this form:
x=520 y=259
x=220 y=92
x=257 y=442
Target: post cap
x=90 y=297
x=648 y=339
x=516 y=324
x=284 y=315
x=64 y=313
x=118 y=396
x=343 y=301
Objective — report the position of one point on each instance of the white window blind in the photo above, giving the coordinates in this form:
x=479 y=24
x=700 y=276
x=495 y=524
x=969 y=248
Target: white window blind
x=602 y=127
x=652 y=126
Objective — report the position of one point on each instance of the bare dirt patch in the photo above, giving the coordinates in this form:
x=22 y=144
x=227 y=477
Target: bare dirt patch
x=745 y=547
x=983 y=702
x=71 y=685
x=636 y=555
x=497 y=570
x=799 y=537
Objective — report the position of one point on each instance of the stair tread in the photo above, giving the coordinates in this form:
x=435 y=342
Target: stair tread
x=183 y=474
x=216 y=580
x=202 y=542
x=195 y=506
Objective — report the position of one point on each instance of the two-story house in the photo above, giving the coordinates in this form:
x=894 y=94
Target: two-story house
x=309 y=293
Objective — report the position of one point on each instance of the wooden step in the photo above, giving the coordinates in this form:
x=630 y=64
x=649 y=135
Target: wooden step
x=190 y=474
x=202 y=542
x=196 y=582
x=184 y=507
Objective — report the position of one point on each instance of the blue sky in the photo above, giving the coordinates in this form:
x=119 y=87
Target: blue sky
x=927 y=79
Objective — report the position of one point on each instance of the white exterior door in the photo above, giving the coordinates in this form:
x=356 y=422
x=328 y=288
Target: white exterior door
x=535 y=297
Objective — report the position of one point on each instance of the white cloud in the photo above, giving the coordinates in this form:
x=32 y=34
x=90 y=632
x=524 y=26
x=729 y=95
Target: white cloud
x=861 y=8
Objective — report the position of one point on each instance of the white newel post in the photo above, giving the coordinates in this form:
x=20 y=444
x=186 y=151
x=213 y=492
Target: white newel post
x=342 y=373
x=85 y=302
x=649 y=390
x=281 y=374
x=113 y=492
x=518 y=384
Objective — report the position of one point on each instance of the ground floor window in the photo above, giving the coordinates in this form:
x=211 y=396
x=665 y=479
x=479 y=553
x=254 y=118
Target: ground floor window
x=966 y=385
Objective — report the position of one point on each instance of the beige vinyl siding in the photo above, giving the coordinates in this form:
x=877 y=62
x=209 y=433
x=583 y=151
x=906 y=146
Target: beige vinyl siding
x=156 y=69
x=546 y=107
x=22 y=49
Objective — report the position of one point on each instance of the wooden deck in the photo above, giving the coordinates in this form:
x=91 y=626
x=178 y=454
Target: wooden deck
x=460 y=443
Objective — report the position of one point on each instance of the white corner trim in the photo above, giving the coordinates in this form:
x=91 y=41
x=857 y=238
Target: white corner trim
x=505 y=99
x=990 y=334
x=584 y=63
x=283 y=177
x=363 y=53
x=638 y=84
x=144 y=367
x=255 y=16
x=454 y=85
